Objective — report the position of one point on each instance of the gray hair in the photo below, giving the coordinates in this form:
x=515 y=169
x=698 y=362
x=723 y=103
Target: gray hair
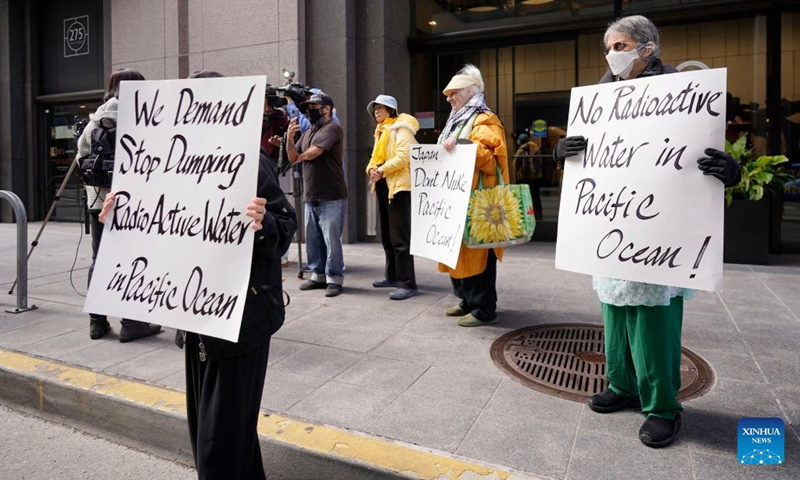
x=638 y=28
x=472 y=71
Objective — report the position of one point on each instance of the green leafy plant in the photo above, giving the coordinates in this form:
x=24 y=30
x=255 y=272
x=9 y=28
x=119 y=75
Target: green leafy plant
x=757 y=174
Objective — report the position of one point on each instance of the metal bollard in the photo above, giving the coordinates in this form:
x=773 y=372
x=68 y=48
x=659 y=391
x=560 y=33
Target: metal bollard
x=22 y=258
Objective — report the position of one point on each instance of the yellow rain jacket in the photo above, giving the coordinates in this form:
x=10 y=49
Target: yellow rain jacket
x=396 y=167
x=487 y=132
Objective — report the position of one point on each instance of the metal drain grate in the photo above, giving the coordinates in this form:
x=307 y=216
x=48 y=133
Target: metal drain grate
x=567 y=361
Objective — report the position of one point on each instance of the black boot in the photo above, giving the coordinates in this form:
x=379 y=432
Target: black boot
x=98 y=327
x=657 y=432
x=609 y=402
x=133 y=329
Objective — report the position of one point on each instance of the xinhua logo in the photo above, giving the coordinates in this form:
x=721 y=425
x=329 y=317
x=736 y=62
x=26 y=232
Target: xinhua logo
x=761 y=441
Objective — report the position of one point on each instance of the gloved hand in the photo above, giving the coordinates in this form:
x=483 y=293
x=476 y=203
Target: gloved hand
x=568 y=147
x=720 y=165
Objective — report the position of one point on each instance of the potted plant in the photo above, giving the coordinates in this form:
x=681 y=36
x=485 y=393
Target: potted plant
x=747 y=216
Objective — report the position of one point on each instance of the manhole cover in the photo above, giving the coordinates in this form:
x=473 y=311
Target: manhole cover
x=567 y=361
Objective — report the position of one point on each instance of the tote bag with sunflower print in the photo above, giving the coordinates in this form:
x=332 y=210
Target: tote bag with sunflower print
x=499 y=216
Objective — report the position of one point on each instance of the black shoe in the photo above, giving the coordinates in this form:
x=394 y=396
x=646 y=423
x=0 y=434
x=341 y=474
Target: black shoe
x=657 y=432
x=384 y=283
x=609 y=402
x=98 y=327
x=132 y=329
x=332 y=290
x=312 y=285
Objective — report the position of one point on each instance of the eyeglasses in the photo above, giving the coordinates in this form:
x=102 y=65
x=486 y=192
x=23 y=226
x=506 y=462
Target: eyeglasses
x=617 y=47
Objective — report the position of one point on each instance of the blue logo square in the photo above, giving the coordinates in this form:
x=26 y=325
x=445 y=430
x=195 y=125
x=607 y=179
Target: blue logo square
x=761 y=441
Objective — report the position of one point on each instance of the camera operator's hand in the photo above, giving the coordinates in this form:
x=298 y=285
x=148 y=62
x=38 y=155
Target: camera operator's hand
x=292 y=130
x=256 y=210
x=275 y=140
x=108 y=204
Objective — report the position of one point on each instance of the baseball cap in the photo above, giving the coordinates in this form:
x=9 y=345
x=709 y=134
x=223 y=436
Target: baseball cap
x=319 y=98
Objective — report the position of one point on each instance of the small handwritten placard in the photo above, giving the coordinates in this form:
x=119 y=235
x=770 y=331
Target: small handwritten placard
x=440 y=188
x=176 y=250
x=634 y=205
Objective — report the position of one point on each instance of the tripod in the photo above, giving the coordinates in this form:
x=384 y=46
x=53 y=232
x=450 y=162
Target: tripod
x=297 y=194
x=35 y=241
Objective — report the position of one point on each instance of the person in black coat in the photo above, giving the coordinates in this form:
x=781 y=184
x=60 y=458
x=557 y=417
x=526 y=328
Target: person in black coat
x=225 y=380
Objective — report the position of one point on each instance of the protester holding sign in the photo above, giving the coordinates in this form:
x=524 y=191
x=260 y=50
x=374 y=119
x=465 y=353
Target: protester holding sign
x=643 y=321
x=389 y=171
x=225 y=380
x=471 y=121
x=96 y=145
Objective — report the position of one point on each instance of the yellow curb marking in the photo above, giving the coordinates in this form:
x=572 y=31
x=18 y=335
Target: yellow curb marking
x=154 y=397
x=385 y=454
x=326 y=440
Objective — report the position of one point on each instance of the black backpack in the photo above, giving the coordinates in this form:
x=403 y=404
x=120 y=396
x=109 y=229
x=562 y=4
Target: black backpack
x=98 y=165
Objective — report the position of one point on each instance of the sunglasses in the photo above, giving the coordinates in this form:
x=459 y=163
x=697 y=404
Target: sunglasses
x=617 y=47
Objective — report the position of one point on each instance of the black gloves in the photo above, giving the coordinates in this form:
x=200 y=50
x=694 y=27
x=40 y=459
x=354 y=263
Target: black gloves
x=568 y=147
x=721 y=165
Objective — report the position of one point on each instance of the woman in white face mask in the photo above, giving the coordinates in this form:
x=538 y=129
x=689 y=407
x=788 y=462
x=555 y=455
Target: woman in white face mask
x=643 y=321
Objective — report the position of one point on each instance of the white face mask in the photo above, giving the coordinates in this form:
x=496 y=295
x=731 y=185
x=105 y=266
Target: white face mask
x=621 y=63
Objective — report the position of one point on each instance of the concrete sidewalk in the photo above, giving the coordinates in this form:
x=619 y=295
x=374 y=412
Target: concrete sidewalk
x=404 y=374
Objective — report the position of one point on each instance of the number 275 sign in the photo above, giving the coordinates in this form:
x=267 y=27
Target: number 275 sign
x=76 y=36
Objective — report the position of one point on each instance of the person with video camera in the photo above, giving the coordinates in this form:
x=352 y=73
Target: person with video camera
x=273 y=126
x=295 y=95
x=96 y=161
x=320 y=148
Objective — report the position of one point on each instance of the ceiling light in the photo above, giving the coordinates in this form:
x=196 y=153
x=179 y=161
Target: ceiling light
x=432 y=23
x=482 y=9
x=535 y=2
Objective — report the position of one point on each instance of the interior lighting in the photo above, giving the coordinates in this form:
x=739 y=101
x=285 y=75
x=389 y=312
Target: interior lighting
x=484 y=9
x=536 y=2
x=432 y=23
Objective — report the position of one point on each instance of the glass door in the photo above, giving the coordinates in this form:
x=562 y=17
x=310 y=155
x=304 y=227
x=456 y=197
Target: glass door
x=61 y=127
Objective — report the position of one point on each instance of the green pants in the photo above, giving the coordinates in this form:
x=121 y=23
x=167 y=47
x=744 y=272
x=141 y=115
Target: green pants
x=643 y=355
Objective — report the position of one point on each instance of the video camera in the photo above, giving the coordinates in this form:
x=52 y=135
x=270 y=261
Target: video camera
x=79 y=125
x=296 y=91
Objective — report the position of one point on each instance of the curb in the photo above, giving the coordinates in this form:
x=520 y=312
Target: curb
x=153 y=419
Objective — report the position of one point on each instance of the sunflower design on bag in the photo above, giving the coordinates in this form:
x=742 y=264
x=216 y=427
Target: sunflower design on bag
x=495 y=215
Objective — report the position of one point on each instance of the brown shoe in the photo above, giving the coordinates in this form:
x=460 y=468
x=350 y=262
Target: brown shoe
x=333 y=290
x=312 y=285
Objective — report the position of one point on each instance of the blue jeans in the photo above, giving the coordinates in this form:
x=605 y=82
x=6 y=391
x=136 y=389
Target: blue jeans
x=324 y=240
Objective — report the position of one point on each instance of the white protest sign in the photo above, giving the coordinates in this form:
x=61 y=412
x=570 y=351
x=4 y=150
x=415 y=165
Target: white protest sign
x=176 y=250
x=440 y=187
x=634 y=205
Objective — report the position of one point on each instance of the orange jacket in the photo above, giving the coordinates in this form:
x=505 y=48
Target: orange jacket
x=488 y=134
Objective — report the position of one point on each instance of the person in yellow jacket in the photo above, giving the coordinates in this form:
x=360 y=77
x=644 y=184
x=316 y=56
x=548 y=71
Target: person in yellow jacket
x=471 y=121
x=389 y=172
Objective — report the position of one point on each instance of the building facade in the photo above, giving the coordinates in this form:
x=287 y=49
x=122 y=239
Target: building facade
x=55 y=56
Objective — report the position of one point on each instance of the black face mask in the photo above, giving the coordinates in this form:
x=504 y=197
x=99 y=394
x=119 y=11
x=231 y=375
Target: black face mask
x=314 y=115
